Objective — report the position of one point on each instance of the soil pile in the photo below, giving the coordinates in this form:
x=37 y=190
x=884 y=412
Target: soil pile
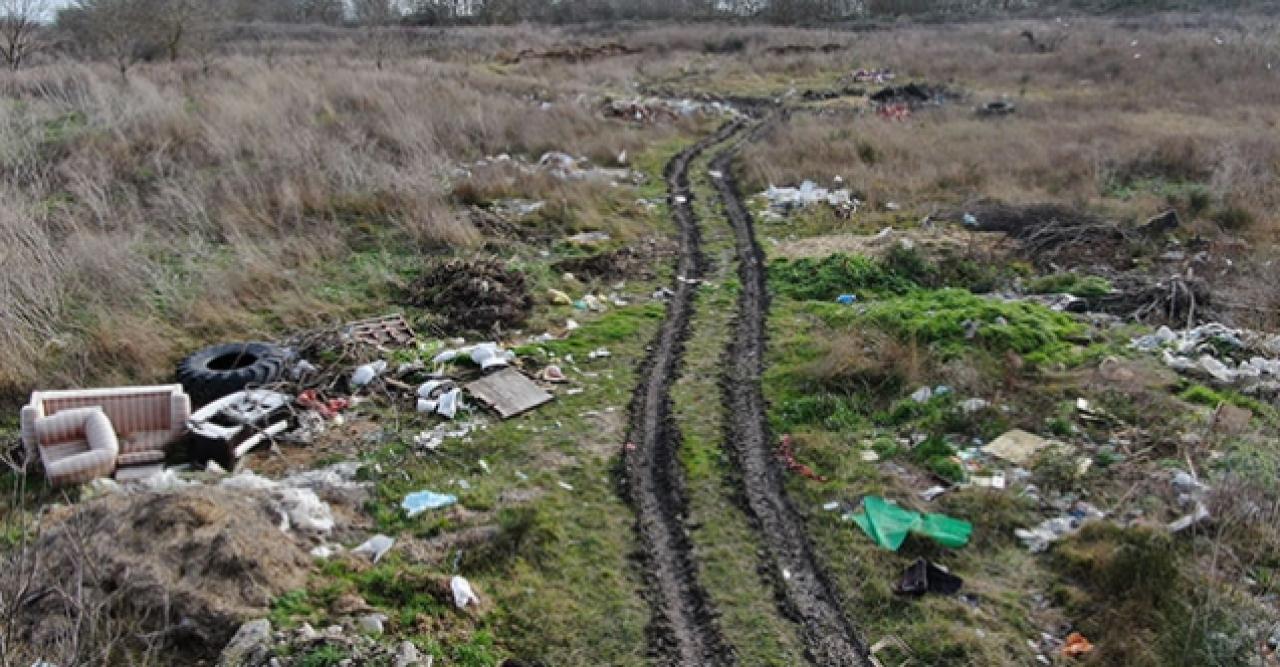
x=180 y=569
x=480 y=295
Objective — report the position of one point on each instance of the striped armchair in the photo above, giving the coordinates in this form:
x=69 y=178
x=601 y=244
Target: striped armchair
x=77 y=445
x=145 y=419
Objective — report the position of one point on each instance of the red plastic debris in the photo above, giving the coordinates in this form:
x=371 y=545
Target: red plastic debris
x=328 y=409
x=786 y=452
x=899 y=112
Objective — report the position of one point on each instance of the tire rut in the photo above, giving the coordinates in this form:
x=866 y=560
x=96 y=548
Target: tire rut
x=683 y=629
x=804 y=591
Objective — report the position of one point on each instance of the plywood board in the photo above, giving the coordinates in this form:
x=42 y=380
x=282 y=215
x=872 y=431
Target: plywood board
x=509 y=392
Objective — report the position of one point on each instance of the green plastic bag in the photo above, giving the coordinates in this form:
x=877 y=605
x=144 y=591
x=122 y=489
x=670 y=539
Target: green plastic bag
x=888 y=525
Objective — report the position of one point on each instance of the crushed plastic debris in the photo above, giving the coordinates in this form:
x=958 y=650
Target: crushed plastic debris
x=1039 y=538
x=888 y=525
x=784 y=200
x=1242 y=358
x=367 y=373
x=375 y=547
x=420 y=501
x=463 y=595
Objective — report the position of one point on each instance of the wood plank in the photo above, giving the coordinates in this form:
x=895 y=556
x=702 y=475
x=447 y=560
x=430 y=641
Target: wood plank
x=508 y=392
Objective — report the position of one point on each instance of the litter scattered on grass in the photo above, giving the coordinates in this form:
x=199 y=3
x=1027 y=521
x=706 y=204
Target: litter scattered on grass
x=1016 y=446
x=888 y=525
x=463 y=595
x=924 y=576
x=420 y=501
x=375 y=547
x=1243 y=358
x=787 y=199
x=1039 y=538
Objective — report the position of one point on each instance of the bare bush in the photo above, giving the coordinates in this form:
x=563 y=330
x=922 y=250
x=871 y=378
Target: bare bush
x=20 y=30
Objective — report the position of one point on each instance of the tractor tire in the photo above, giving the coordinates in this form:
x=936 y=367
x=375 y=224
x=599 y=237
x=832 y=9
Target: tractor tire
x=217 y=371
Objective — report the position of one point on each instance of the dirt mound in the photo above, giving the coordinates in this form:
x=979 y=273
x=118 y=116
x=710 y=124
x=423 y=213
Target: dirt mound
x=572 y=54
x=792 y=49
x=473 y=295
x=913 y=95
x=180 y=570
x=628 y=262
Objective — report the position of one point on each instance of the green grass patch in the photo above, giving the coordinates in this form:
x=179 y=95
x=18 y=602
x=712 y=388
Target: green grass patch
x=1070 y=283
x=942 y=319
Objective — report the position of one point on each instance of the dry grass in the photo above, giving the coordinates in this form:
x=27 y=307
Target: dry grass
x=148 y=216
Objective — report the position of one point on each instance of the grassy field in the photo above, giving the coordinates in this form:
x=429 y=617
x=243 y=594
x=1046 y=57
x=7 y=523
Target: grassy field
x=284 y=191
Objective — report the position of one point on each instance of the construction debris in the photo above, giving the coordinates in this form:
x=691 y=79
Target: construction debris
x=391 y=330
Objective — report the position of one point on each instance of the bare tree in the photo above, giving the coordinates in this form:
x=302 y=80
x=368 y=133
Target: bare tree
x=20 y=29
x=120 y=31
x=378 y=19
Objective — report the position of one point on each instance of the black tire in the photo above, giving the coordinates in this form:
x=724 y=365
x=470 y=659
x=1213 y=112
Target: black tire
x=217 y=371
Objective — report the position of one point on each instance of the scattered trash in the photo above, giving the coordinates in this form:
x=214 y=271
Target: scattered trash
x=888 y=525
x=995 y=481
x=553 y=374
x=873 y=76
x=784 y=200
x=786 y=452
x=463 y=595
x=310 y=399
x=589 y=238
x=420 y=501
x=299 y=507
x=869 y=456
x=998 y=108
x=1047 y=532
x=376 y=547
x=846 y=299
x=514 y=208
x=1016 y=446
x=559 y=298
x=230 y=427
x=972 y=405
x=924 y=576
x=1242 y=358
x=508 y=392
x=599 y=353
x=933 y=492
x=652 y=109
x=367 y=373
x=1076 y=646
x=565 y=485
x=922 y=395
x=831 y=506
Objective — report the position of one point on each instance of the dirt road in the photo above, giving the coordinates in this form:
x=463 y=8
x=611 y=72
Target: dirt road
x=806 y=594
x=683 y=629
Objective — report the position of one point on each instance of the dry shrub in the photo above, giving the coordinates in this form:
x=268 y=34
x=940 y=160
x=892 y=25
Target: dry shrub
x=121 y=577
x=867 y=362
x=481 y=295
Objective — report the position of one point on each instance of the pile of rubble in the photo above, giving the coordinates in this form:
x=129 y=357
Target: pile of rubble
x=256 y=645
x=782 y=201
x=557 y=164
x=1239 y=358
x=658 y=109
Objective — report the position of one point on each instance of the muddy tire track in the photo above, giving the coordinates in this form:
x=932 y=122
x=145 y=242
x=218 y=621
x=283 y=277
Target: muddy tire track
x=805 y=593
x=683 y=629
